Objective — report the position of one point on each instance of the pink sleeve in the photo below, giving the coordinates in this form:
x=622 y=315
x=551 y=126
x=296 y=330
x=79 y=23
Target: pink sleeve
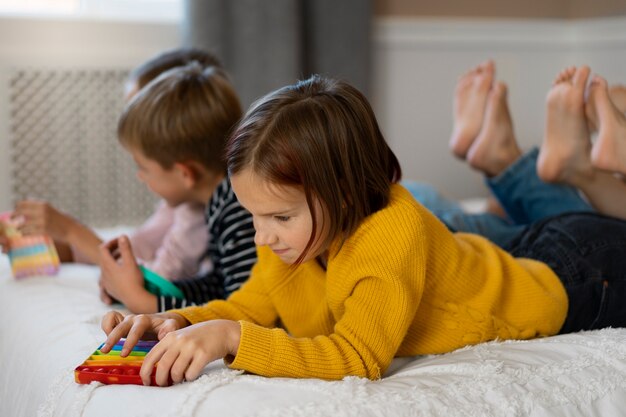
x=147 y=239
x=182 y=246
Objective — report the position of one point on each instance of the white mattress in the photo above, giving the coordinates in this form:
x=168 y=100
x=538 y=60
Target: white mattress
x=49 y=325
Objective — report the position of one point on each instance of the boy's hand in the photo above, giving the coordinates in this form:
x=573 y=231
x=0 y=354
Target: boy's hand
x=182 y=354
x=41 y=218
x=104 y=296
x=133 y=327
x=121 y=277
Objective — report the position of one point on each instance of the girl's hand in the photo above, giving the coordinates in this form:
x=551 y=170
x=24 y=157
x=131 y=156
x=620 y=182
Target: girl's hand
x=134 y=327
x=181 y=355
x=41 y=218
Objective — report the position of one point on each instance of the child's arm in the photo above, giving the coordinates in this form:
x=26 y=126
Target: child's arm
x=42 y=218
x=4 y=241
x=122 y=279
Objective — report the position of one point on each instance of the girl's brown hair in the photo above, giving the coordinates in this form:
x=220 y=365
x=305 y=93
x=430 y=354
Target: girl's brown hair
x=185 y=114
x=321 y=135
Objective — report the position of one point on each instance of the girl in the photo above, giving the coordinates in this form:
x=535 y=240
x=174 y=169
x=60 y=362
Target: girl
x=357 y=272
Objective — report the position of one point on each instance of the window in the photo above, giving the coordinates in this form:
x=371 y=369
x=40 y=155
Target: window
x=169 y=10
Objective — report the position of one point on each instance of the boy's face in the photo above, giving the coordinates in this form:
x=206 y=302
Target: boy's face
x=169 y=184
x=281 y=216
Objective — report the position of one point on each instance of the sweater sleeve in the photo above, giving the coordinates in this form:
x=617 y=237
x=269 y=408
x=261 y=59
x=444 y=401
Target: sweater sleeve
x=251 y=302
x=362 y=344
x=196 y=291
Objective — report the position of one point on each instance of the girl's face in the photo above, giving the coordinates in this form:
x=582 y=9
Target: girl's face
x=281 y=216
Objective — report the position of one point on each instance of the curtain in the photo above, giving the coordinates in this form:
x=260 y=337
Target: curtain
x=266 y=44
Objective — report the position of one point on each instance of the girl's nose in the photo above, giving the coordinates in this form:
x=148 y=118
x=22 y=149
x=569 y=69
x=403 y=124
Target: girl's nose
x=264 y=238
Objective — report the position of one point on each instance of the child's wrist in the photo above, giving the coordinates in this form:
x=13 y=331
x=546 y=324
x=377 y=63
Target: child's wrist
x=72 y=233
x=234 y=337
x=142 y=302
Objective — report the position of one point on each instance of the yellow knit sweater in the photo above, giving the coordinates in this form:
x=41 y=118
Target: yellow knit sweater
x=401 y=285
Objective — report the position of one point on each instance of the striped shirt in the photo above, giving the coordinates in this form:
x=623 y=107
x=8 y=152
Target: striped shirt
x=231 y=250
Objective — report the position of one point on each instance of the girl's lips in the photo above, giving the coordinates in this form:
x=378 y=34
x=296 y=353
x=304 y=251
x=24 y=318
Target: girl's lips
x=279 y=251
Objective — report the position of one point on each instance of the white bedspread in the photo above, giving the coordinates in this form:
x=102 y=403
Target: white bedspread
x=49 y=325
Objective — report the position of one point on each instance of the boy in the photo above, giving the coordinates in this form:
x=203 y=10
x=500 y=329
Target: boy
x=171 y=242
x=176 y=128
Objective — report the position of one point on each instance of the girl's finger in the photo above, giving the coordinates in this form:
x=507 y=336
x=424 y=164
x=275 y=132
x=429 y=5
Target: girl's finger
x=141 y=323
x=168 y=326
x=116 y=332
x=180 y=367
x=196 y=366
x=150 y=360
x=110 y=320
x=165 y=364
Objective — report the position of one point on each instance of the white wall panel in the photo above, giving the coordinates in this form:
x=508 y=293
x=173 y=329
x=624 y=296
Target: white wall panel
x=417 y=63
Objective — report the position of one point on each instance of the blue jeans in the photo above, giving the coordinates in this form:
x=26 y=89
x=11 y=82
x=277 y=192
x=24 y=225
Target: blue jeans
x=586 y=251
x=523 y=195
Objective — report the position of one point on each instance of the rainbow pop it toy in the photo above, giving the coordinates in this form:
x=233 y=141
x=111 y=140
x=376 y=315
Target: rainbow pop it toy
x=29 y=255
x=111 y=368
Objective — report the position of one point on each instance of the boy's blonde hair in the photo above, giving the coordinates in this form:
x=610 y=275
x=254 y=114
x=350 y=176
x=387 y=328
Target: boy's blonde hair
x=178 y=57
x=183 y=115
x=321 y=135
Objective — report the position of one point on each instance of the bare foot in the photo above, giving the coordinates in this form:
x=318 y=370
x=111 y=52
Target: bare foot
x=609 y=151
x=495 y=148
x=617 y=93
x=618 y=96
x=470 y=99
x=564 y=155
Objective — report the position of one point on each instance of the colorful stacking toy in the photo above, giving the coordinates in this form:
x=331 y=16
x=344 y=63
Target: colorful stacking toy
x=29 y=255
x=111 y=368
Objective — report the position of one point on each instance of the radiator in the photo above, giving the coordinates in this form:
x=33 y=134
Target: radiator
x=64 y=149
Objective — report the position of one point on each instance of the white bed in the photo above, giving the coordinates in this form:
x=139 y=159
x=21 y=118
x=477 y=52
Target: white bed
x=49 y=325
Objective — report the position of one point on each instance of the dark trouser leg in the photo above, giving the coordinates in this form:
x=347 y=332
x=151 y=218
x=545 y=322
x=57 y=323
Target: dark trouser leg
x=587 y=251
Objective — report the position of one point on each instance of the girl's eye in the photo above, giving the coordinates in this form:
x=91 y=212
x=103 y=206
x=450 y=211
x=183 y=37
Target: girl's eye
x=282 y=218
